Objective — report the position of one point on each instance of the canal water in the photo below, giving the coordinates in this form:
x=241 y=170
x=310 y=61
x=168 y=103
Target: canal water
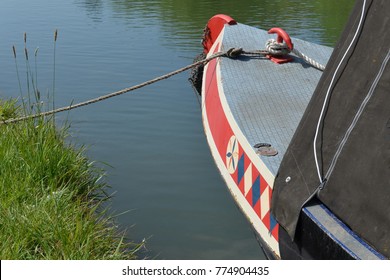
x=164 y=183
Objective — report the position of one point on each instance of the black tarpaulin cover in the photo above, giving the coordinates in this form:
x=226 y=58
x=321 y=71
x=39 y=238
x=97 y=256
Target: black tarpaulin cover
x=353 y=134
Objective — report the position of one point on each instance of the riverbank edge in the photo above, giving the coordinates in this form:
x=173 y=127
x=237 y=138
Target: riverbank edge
x=52 y=196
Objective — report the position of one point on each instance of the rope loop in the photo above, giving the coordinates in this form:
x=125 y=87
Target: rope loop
x=234 y=52
x=272 y=47
x=275 y=48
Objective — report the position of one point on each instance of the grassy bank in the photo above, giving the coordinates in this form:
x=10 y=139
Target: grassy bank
x=51 y=197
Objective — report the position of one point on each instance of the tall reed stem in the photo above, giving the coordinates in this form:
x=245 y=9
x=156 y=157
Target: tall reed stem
x=54 y=69
x=18 y=77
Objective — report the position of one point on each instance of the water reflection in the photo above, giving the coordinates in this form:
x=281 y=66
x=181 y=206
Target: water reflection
x=93 y=8
x=183 y=20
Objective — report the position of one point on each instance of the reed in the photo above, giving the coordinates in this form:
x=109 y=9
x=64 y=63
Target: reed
x=51 y=195
x=54 y=67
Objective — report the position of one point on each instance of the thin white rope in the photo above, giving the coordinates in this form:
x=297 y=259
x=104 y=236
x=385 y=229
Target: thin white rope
x=329 y=90
x=309 y=60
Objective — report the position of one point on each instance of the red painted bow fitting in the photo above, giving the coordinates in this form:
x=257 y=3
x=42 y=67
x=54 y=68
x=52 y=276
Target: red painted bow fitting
x=282 y=37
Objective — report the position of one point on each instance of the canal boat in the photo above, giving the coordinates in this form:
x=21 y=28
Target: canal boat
x=305 y=153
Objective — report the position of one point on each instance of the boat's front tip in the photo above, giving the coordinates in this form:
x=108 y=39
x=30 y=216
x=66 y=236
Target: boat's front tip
x=213 y=29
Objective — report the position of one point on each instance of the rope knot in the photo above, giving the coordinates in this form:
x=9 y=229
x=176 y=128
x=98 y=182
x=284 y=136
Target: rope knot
x=275 y=48
x=234 y=52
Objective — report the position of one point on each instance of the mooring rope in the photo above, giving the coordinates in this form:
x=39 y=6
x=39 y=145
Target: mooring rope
x=116 y=93
x=232 y=53
x=309 y=60
x=275 y=48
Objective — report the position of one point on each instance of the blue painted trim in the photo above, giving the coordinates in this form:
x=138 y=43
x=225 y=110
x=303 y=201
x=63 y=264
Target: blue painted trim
x=352 y=233
x=347 y=229
x=311 y=216
x=256 y=191
x=273 y=222
x=241 y=170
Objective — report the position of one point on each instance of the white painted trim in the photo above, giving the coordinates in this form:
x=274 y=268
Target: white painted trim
x=231 y=184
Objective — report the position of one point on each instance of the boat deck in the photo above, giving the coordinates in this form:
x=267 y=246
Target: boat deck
x=266 y=95
x=250 y=100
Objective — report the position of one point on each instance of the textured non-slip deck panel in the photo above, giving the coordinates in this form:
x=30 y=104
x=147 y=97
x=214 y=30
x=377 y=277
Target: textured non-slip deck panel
x=266 y=99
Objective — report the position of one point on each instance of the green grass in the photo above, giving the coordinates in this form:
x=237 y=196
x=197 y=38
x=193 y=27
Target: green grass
x=51 y=196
